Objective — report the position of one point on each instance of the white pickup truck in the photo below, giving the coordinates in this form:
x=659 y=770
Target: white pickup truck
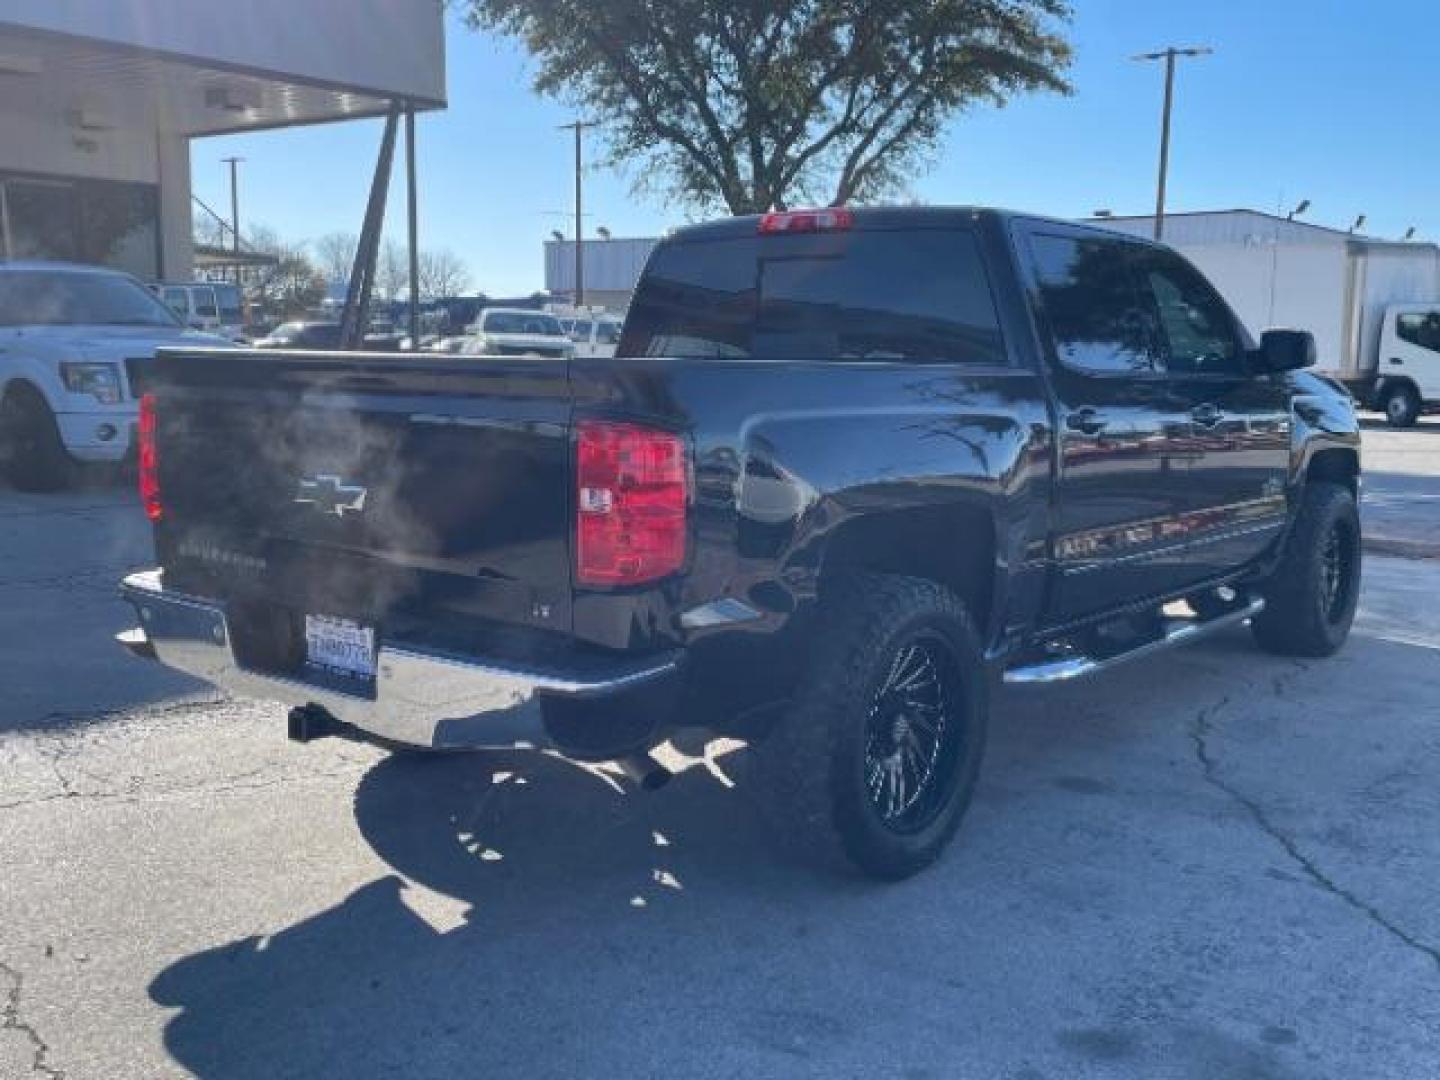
x=75 y=343
x=518 y=332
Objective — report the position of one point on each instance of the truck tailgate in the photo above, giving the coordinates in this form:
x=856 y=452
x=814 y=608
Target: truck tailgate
x=423 y=496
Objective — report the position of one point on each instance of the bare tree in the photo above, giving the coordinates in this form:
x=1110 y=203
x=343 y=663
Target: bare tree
x=392 y=270
x=335 y=255
x=292 y=284
x=442 y=273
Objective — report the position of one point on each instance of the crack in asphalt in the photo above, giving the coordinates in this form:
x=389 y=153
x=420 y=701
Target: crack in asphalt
x=10 y=1021
x=139 y=795
x=1200 y=734
x=55 y=747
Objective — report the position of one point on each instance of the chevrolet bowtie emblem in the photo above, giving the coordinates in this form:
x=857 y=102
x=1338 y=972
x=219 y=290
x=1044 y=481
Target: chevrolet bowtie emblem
x=331 y=495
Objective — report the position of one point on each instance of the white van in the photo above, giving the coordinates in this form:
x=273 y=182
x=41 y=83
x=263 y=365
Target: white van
x=215 y=306
x=593 y=336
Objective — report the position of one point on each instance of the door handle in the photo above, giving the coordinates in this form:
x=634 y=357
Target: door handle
x=1206 y=415
x=1087 y=420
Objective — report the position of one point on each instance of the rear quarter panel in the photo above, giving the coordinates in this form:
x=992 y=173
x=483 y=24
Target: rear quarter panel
x=787 y=454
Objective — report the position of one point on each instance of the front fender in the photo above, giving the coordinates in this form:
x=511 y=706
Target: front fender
x=1323 y=419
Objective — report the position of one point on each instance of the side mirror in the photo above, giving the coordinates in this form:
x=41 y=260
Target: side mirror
x=1285 y=350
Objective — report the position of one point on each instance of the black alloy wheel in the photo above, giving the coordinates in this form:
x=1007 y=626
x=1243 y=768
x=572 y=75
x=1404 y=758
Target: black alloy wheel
x=914 y=734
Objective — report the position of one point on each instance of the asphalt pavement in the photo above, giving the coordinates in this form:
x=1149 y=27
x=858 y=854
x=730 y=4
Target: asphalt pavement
x=1401 y=500
x=1210 y=864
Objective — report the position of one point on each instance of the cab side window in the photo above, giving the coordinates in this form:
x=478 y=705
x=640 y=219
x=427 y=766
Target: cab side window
x=1421 y=328
x=1088 y=290
x=1197 y=332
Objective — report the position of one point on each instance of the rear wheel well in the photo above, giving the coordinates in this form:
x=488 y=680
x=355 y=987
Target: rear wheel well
x=1337 y=465
x=951 y=545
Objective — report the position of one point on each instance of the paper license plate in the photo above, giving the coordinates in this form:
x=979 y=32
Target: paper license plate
x=340 y=645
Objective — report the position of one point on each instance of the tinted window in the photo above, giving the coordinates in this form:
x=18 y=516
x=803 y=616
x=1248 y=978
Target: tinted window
x=607 y=333
x=320 y=336
x=881 y=295
x=46 y=298
x=1092 y=304
x=1197 y=335
x=205 y=305
x=176 y=298
x=228 y=297
x=1420 y=328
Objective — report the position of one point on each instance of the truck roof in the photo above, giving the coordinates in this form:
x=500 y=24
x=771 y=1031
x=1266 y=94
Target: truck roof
x=896 y=217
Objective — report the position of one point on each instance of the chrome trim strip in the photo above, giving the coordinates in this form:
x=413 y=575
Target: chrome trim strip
x=1272 y=525
x=420 y=698
x=1180 y=632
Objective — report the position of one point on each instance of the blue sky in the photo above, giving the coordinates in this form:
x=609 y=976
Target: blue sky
x=1317 y=99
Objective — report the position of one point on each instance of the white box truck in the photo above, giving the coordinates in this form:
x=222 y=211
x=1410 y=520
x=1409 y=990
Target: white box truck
x=1373 y=305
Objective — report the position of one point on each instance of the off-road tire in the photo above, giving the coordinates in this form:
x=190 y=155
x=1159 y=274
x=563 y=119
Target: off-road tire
x=36 y=459
x=1401 y=406
x=1303 y=615
x=811 y=770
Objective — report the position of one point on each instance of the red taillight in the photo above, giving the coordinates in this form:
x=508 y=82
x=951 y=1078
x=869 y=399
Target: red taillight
x=149 y=460
x=632 y=490
x=833 y=219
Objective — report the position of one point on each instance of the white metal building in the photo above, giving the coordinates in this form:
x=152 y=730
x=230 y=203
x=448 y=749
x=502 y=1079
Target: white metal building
x=99 y=100
x=612 y=268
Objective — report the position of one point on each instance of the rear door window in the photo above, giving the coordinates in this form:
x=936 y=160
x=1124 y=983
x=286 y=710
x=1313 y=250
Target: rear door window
x=1093 y=305
x=902 y=295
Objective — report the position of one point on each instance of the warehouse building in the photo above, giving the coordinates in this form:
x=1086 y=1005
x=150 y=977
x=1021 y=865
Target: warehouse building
x=611 y=268
x=99 y=100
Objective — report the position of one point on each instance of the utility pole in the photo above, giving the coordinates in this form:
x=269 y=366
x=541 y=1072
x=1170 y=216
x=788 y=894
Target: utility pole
x=234 y=162
x=578 y=127
x=412 y=227
x=1168 y=55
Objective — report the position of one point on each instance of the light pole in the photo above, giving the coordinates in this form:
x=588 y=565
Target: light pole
x=1168 y=55
x=579 y=127
x=234 y=163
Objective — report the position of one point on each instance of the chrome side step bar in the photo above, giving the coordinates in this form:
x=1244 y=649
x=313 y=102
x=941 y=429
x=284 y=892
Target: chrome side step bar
x=1179 y=632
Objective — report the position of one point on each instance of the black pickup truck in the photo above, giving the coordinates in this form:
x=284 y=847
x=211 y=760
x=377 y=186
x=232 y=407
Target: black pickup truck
x=848 y=470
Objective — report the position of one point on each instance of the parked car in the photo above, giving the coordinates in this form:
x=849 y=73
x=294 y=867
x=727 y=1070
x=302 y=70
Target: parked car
x=517 y=332
x=847 y=469
x=76 y=344
x=382 y=335
x=593 y=336
x=213 y=306
x=302 y=334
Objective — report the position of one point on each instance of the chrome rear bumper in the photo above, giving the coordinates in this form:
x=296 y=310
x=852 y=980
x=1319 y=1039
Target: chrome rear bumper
x=418 y=699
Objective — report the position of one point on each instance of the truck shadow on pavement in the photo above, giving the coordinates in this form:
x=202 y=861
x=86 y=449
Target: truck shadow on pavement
x=531 y=906
x=534 y=921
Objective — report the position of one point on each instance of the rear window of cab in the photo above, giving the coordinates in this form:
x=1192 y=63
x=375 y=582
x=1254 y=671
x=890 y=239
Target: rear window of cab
x=917 y=295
